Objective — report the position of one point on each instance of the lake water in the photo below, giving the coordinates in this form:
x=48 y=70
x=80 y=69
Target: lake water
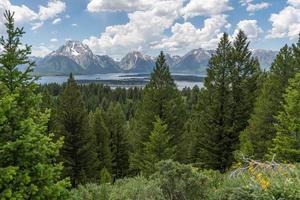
x=125 y=79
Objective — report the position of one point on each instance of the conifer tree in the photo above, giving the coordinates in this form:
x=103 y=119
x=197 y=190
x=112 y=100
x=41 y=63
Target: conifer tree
x=286 y=143
x=244 y=75
x=28 y=153
x=160 y=98
x=158 y=147
x=257 y=137
x=79 y=153
x=105 y=176
x=116 y=123
x=102 y=136
x=214 y=143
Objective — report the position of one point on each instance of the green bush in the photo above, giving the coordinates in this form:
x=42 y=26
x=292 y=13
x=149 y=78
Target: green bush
x=124 y=189
x=91 y=192
x=180 y=181
x=136 y=188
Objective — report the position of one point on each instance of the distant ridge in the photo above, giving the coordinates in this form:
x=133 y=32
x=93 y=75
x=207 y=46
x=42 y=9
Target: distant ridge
x=76 y=57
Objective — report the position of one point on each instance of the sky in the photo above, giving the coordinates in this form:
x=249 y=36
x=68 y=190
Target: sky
x=116 y=27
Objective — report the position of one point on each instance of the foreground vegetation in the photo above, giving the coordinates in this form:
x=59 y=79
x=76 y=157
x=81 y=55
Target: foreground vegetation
x=75 y=141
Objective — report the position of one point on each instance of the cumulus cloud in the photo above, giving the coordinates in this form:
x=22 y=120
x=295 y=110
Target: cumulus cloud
x=56 y=21
x=186 y=36
x=74 y=25
x=250 y=27
x=23 y=14
x=119 y=5
x=295 y=3
x=253 y=7
x=143 y=28
x=205 y=8
x=286 y=23
x=52 y=9
x=40 y=51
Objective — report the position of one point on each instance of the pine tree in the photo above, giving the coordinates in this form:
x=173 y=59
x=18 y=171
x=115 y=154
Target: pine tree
x=78 y=153
x=257 y=137
x=214 y=143
x=158 y=147
x=116 y=123
x=101 y=133
x=105 y=176
x=244 y=75
x=286 y=143
x=28 y=154
x=160 y=98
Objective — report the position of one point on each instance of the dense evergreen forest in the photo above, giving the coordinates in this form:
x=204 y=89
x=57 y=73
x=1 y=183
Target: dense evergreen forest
x=238 y=137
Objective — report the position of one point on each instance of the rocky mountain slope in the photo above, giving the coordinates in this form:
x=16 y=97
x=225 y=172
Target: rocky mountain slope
x=78 y=58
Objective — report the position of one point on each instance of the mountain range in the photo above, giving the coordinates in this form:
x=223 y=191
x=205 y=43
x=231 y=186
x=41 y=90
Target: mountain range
x=78 y=58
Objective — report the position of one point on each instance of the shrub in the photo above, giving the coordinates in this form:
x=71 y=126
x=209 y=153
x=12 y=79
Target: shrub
x=91 y=192
x=136 y=188
x=260 y=181
x=180 y=181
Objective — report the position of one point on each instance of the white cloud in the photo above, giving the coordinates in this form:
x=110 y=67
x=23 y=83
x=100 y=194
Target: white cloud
x=205 y=8
x=52 y=9
x=40 y=51
x=186 y=36
x=250 y=27
x=295 y=3
x=74 y=24
x=143 y=28
x=53 y=40
x=119 y=5
x=253 y=7
x=67 y=16
x=22 y=15
x=37 y=25
x=56 y=21
x=258 y=6
x=286 y=23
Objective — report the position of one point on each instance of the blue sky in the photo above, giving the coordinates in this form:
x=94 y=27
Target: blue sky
x=115 y=27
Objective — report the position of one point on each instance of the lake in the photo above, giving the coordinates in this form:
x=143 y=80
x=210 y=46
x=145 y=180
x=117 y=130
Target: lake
x=125 y=79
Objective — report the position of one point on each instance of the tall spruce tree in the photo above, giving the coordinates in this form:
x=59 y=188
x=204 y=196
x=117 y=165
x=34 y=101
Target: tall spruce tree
x=226 y=102
x=257 y=137
x=79 y=152
x=160 y=98
x=286 y=143
x=214 y=143
x=28 y=154
x=245 y=74
x=101 y=133
x=116 y=123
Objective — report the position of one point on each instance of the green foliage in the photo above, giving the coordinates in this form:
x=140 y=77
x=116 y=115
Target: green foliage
x=260 y=181
x=286 y=144
x=28 y=153
x=225 y=103
x=136 y=188
x=124 y=189
x=91 y=191
x=181 y=181
x=160 y=98
x=158 y=147
x=78 y=153
x=117 y=126
x=257 y=137
x=105 y=176
x=100 y=131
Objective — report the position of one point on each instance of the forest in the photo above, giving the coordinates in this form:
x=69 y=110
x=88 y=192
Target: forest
x=238 y=137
